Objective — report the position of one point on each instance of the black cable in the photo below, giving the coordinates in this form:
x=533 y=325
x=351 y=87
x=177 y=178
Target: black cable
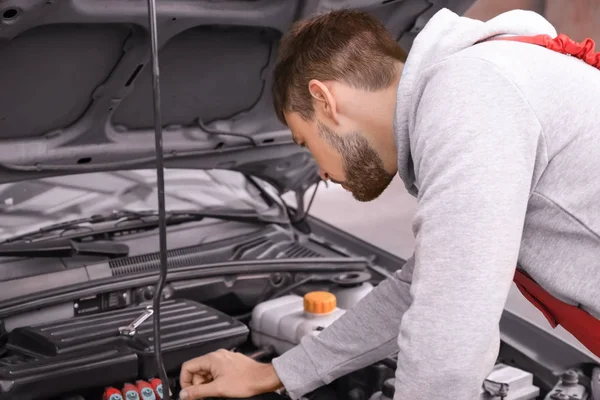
x=162 y=230
x=291 y=287
x=312 y=198
x=234 y=134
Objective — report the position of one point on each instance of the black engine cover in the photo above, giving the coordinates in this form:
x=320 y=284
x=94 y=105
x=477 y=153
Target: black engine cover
x=85 y=352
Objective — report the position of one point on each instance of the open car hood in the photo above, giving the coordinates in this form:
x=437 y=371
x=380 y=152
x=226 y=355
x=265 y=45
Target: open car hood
x=76 y=87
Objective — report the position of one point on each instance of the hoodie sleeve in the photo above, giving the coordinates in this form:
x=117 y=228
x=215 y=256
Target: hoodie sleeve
x=365 y=334
x=474 y=143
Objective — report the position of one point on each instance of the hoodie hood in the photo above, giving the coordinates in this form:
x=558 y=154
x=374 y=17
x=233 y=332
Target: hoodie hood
x=446 y=34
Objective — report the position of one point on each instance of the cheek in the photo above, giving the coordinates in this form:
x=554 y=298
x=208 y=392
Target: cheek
x=328 y=159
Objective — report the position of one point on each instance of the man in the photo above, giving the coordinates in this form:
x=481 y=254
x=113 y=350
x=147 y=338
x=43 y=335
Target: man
x=499 y=141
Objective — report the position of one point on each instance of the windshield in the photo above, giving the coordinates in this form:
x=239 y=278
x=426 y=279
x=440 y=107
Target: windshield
x=30 y=205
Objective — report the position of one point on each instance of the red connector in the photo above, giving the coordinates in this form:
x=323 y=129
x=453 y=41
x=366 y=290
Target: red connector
x=146 y=390
x=112 y=394
x=130 y=392
x=157 y=386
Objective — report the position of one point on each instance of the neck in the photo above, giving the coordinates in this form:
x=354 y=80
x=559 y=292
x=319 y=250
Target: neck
x=379 y=121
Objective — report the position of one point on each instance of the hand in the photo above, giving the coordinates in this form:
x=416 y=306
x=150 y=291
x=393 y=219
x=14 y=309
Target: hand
x=226 y=374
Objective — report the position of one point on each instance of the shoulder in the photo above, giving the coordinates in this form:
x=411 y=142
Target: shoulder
x=465 y=95
x=467 y=81
x=465 y=71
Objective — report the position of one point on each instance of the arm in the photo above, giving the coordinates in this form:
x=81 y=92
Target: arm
x=364 y=335
x=475 y=144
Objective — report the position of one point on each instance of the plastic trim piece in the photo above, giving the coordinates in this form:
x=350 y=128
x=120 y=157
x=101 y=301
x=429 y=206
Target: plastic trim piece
x=80 y=353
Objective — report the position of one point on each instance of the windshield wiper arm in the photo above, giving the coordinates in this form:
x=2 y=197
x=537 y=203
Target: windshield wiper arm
x=57 y=248
x=148 y=219
x=73 y=224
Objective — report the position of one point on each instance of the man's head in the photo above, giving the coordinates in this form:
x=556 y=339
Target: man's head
x=335 y=87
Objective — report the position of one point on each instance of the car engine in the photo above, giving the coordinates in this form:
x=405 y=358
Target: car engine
x=88 y=354
x=110 y=353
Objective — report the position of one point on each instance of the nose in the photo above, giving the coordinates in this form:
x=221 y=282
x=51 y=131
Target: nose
x=324 y=175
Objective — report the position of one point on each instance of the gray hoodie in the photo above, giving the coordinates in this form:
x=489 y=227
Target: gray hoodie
x=502 y=140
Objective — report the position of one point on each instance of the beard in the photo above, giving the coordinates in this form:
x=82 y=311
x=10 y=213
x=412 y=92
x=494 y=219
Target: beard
x=366 y=178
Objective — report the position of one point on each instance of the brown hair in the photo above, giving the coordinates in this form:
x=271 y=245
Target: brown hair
x=344 y=45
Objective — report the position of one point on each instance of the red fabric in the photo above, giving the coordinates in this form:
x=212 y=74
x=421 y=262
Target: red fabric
x=563 y=44
x=579 y=323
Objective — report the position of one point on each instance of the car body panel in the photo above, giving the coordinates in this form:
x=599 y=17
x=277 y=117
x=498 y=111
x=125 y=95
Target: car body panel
x=77 y=93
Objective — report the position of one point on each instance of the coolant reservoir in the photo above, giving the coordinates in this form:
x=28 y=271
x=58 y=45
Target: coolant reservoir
x=350 y=288
x=282 y=322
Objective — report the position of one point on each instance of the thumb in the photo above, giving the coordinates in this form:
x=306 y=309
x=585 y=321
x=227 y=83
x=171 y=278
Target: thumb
x=195 y=392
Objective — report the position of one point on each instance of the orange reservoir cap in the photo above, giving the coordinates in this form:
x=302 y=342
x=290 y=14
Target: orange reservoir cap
x=319 y=302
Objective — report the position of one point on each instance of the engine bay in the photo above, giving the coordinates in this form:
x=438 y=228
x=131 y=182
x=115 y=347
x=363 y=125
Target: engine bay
x=81 y=340
x=109 y=355
x=86 y=332
x=243 y=292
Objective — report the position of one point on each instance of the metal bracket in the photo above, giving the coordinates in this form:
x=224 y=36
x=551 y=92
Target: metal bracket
x=130 y=330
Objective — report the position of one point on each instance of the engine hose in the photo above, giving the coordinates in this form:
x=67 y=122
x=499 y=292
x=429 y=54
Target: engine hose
x=162 y=231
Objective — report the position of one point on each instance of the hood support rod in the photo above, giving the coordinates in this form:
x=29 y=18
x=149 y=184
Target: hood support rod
x=162 y=231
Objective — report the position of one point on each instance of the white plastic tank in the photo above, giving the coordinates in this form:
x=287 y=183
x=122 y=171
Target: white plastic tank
x=350 y=288
x=348 y=296
x=283 y=321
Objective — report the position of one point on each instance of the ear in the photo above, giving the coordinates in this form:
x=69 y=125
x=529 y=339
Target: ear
x=323 y=99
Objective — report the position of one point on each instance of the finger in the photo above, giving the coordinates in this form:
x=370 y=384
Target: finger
x=196 y=392
x=199 y=379
x=185 y=378
x=199 y=365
